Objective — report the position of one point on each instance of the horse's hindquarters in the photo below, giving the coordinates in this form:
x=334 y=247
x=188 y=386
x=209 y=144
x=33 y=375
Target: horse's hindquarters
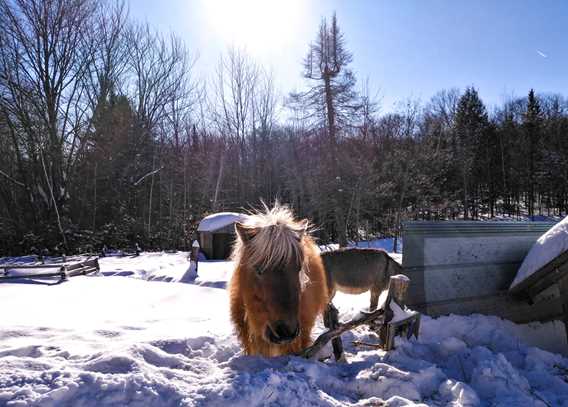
x=355 y=270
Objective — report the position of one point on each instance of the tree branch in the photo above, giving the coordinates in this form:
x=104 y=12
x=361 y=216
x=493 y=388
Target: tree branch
x=15 y=181
x=147 y=175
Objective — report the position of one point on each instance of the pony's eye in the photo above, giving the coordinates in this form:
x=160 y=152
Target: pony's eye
x=258 y=271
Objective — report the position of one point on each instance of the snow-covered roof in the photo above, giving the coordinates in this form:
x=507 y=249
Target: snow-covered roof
x=219 y=220
x=549 y=246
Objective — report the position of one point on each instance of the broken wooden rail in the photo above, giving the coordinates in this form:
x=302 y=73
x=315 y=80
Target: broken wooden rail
x=324 y=338
x=381 y=320
x=64 y=270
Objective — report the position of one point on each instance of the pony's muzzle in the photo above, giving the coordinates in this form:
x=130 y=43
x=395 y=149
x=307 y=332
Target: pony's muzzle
x=281 y=332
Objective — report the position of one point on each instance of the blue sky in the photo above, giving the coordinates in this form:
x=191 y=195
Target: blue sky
x=407 y=49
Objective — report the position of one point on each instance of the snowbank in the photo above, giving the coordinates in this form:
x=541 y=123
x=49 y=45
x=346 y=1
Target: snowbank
x=111 y=340
x=159 y=266
x=99 y=341
x=168 y=267
x=219 y=220
x=549 y=246
x=386 y=244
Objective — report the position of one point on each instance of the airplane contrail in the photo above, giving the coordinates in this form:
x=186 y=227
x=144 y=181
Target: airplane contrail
x=542 y=54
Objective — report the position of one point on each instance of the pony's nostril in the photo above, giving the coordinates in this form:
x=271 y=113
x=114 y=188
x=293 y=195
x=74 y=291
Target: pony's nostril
x=285 y=331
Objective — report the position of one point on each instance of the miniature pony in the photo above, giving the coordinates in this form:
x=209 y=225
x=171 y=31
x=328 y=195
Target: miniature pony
x=279 y=287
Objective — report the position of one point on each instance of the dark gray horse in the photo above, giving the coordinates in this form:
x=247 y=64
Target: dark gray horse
x=354 y=271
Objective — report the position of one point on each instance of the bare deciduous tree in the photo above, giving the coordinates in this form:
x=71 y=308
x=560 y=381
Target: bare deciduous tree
x=42 y=62
x=233 y=99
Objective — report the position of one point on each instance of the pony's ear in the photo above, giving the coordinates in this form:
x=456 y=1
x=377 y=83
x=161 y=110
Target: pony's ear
x=245 y=232
x=305 y=227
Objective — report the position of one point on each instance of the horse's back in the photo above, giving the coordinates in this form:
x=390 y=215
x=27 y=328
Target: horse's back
x=355 y=270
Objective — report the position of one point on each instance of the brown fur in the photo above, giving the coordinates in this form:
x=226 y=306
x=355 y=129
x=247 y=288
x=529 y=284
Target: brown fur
x=253 y=299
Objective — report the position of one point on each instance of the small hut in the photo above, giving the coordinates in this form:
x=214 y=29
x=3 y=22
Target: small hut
x=217 y=233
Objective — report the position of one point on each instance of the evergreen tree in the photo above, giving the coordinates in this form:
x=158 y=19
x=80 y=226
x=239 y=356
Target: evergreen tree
x=532 y=128
x=470 y=125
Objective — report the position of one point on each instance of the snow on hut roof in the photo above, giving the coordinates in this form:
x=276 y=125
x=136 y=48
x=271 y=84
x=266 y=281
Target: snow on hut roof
x=549 y=246
x=219 y=220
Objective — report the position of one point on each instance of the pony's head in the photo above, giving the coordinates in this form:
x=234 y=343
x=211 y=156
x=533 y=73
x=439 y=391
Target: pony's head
x=269 y=253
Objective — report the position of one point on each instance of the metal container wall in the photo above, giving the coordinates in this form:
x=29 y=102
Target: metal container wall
x=465 y=267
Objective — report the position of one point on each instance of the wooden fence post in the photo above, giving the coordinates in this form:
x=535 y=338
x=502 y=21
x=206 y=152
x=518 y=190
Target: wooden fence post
x=397 y=290
x=194 y=254
x=399 y=285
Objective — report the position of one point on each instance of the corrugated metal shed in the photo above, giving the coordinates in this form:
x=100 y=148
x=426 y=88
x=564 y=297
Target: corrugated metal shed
x=466 y=267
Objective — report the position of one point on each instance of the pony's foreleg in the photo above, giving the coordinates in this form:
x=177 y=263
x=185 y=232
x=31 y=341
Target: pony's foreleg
x=331 y=321
x=381 y=281
x=375 y=294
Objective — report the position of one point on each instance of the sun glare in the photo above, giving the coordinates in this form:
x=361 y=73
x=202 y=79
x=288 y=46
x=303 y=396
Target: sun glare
x=254 y=24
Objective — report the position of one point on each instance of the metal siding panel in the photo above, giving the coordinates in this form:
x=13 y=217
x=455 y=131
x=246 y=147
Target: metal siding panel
x=467 y=227
x=458 y=267
x=453 y=283
x=475 y=249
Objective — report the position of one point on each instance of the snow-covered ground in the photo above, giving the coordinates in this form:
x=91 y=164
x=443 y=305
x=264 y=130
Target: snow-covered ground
x=119 y=339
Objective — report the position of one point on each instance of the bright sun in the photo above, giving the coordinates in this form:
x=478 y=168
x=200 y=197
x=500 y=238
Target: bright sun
x=255 y=24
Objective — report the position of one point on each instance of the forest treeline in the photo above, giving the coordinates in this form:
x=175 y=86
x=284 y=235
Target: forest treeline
x=108 y=137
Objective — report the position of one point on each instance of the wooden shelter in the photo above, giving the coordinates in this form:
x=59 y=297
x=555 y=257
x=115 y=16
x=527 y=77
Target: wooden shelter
x=217 y=234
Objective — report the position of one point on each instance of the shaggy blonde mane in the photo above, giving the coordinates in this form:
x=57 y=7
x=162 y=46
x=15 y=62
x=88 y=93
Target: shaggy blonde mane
x=274 y=237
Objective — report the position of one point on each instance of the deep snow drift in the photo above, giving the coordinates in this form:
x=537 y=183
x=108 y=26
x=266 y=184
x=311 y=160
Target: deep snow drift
x=116 y=340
